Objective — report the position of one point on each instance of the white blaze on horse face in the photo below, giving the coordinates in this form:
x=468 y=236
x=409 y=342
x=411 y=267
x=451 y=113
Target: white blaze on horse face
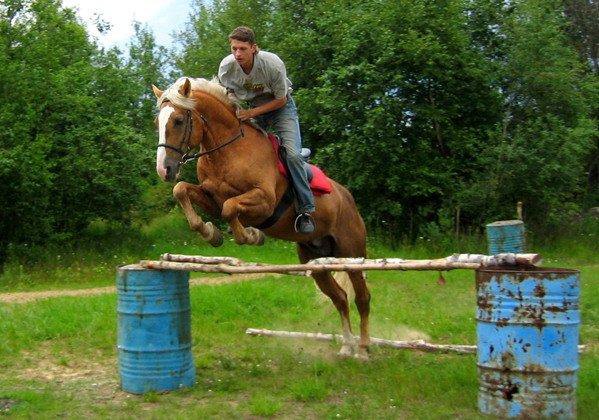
x=163 y=117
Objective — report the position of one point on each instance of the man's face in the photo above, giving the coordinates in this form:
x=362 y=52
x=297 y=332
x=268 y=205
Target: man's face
x=243 y=52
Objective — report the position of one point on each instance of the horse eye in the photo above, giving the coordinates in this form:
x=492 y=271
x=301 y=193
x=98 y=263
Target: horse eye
x=178 y=120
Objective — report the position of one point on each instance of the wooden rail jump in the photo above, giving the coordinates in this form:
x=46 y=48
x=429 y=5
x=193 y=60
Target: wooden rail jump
x=231 y=265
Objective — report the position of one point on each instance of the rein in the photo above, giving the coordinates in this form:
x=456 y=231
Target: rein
x=185 y=155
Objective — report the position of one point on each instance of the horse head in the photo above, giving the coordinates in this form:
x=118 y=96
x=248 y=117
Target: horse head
x=178 y=124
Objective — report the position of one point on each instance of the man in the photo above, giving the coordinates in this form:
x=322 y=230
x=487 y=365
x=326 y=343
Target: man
x=260 y=78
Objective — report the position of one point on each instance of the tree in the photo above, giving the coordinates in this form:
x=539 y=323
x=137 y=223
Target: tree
x=537 y=154
x=420 y=107
x=148 y=64
x=396 y=113
x=69 y=153
x=583 y=30
x=205 y=40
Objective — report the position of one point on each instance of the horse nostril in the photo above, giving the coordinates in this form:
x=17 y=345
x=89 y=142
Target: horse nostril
x=168 y=171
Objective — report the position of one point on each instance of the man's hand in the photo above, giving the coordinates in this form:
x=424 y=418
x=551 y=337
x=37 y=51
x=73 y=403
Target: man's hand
x=245 y=114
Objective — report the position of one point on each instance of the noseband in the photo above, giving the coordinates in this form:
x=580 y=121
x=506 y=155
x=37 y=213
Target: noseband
x=186 y=142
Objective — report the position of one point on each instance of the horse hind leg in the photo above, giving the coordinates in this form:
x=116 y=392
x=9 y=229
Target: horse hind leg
x=327 y=284
x=352 y=243
x=362 y=300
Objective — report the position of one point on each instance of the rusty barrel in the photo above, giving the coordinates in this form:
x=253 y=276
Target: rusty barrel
x=527 y=331
x=505 y=236
x=154 y=330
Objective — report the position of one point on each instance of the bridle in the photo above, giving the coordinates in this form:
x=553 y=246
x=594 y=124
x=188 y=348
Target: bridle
x=186 y=156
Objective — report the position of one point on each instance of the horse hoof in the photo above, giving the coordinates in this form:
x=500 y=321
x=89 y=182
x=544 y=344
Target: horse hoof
x=255 y=236
x=217 y=238
x=261 y=238
x=345 y=352
x=240 y=241
x=362 y=357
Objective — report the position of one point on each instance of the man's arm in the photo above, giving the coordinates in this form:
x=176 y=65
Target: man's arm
x=246 y=114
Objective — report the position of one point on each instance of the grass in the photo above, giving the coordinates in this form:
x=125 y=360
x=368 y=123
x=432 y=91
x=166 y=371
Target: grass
x=237 y=375
x=58 y=356
x=91 y=260
x=264 y=405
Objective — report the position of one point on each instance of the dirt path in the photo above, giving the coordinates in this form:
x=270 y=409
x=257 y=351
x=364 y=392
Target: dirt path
x=24 y=297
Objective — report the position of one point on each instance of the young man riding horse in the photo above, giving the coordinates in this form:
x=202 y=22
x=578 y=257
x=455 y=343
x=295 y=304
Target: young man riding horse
x=240 y=182
x=260 y=78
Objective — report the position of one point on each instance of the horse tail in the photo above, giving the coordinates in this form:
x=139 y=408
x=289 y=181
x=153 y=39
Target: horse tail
x=343 y=280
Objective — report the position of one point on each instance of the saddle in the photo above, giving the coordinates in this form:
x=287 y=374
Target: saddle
x=320 y=184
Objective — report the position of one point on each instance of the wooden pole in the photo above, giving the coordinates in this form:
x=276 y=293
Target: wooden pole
x=200 y=259
x=410 y=345
x=519 y=210
x=287 y=268
x=457 y=261
x=457 y=222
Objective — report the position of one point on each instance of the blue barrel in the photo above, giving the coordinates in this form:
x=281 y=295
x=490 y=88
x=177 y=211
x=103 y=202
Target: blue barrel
x=505 y=236
x=527 y=332
x=154 y=330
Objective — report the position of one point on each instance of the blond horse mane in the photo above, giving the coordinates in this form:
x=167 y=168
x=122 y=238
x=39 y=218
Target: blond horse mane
x=212 y=87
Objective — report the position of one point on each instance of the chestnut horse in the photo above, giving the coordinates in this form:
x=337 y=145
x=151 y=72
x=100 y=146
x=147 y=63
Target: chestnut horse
x=240 y=183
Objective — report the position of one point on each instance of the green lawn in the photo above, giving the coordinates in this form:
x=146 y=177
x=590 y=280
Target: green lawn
x=58 y=356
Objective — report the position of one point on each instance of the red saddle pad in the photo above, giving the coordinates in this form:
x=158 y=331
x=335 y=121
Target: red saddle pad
x=320 y=183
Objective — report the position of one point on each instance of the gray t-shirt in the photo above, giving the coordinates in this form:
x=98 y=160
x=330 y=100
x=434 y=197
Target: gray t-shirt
x=267 y=80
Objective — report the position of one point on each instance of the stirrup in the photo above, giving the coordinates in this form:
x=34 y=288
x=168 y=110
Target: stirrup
x=304 y=223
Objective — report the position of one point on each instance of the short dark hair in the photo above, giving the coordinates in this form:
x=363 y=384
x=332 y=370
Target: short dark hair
x=243 y=34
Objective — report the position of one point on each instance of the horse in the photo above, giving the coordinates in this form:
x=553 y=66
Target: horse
x=239 y=183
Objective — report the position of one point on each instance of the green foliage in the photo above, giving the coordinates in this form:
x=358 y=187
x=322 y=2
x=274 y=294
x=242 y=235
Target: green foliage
x=583 y=16
x=205 y=41
x=70 y=152
x=537 y=154
x=539 y=164
x=397 y=113
x=147 y=63
x=421 y=108
x=582 y=29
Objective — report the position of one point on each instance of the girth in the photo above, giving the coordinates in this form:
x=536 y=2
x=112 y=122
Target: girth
x=284 y=203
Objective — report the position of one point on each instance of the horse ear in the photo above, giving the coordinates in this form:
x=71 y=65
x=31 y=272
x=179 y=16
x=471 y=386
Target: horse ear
x=185 y=88
x=157 y=91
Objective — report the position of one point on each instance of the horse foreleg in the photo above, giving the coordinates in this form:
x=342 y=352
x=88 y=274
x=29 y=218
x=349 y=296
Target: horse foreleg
x=187 y=193
x=253 y=204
